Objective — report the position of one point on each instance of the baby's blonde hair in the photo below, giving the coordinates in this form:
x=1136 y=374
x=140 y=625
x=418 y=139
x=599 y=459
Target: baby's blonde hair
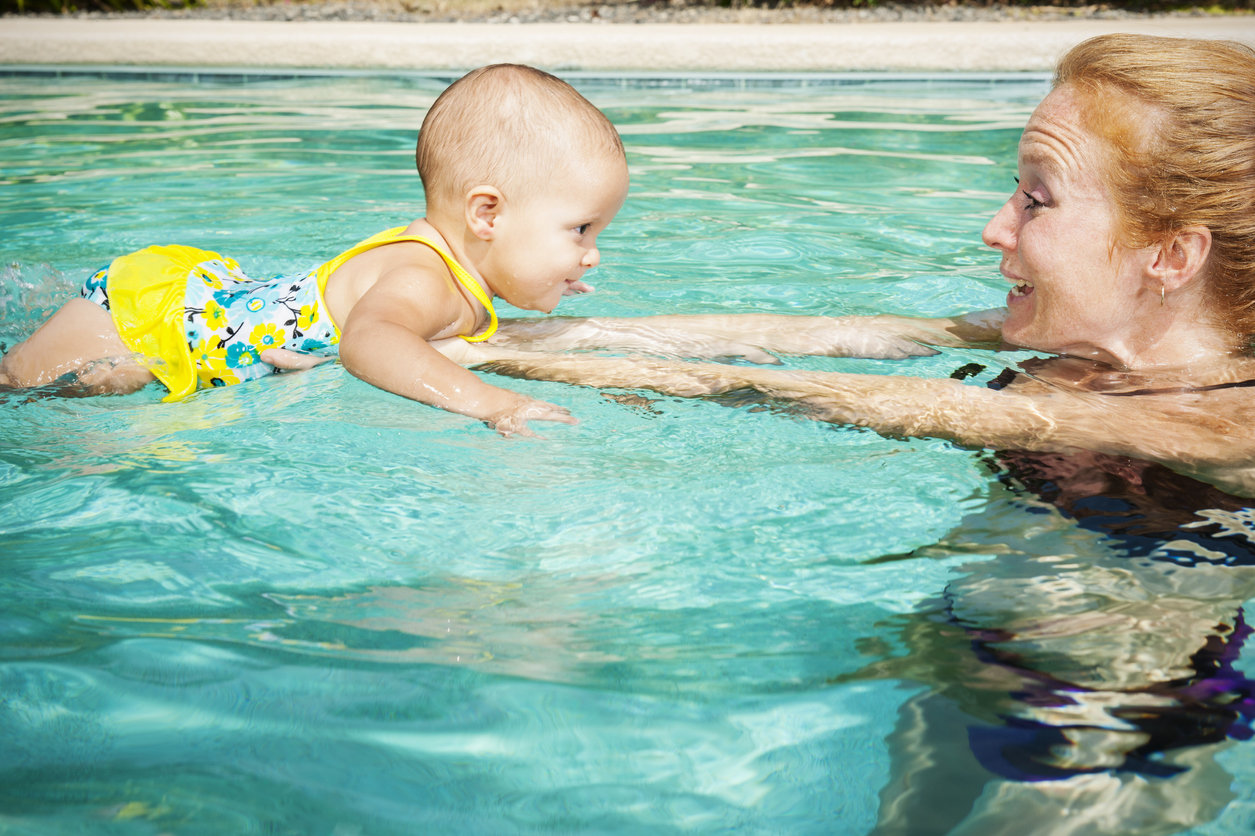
x=508 y=126
x=1178 y=118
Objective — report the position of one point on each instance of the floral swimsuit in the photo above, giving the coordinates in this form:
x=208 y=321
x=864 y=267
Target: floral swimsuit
x=199 y=321
x=230 y=319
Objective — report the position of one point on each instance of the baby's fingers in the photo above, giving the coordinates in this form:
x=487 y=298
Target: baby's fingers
x=291 y=361
x=515 y=422
x=545 y=411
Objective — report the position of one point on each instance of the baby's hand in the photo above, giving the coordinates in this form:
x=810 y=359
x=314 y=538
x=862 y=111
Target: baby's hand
x=513 y=420
x=577 y=287
x=291 y=361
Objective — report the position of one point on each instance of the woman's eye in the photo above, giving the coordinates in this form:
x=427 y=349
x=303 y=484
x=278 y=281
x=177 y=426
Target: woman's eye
x=1033 y=203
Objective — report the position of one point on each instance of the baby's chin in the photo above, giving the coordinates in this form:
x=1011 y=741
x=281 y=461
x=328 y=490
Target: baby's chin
x=548 y=304
x=541 y=306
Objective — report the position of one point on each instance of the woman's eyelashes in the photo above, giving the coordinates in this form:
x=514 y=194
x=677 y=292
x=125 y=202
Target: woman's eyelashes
x=1033 y=203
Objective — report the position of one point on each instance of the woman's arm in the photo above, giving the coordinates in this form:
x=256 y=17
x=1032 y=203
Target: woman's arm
x=1206 y=437
x=754 y=337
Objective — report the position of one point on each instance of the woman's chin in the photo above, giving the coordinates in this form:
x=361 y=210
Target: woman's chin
x=1016 y=330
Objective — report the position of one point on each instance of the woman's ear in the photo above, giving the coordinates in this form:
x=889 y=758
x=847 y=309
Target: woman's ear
x=1181 y=258
x=483 y=207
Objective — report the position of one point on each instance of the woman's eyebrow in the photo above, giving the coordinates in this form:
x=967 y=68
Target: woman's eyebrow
x=1039 y=155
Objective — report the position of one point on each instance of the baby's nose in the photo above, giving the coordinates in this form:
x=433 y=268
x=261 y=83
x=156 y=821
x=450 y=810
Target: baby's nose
x=592 y=258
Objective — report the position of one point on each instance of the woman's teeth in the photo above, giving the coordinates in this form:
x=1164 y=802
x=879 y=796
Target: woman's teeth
x=1021 y=288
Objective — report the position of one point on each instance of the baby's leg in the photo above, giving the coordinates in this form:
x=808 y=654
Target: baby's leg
x=79 y=340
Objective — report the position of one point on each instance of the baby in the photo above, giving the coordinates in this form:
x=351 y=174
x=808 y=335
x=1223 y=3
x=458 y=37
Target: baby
x=520 y=172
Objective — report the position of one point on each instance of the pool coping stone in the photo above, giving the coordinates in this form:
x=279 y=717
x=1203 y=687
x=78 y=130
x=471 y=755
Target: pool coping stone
x=932 y=46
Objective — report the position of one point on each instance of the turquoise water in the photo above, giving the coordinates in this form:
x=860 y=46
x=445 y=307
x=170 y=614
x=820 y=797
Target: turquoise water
x=303 y=605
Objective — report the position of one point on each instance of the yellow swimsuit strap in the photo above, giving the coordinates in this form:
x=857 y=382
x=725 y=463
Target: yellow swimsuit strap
x=389 y=236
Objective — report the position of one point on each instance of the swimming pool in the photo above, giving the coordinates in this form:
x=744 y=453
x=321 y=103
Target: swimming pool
x=303 y=605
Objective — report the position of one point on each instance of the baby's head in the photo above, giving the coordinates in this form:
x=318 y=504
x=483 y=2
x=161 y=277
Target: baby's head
x=523 y=172
x=512 y=127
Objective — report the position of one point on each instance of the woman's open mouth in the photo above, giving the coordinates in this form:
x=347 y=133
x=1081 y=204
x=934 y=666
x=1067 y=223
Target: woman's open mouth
x=1020 y=289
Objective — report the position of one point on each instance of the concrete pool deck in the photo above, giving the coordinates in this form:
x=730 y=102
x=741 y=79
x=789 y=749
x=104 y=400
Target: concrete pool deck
x=666 y=47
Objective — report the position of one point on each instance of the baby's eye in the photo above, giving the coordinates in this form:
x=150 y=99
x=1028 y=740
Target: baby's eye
x=582 y=229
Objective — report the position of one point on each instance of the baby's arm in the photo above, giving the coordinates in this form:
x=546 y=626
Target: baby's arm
x=755 y=337
x=385 y=341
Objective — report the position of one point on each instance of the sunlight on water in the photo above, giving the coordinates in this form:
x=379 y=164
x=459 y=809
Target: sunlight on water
x=304 y=605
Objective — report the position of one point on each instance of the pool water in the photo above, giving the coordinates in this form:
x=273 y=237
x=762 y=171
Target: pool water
x=303 y=605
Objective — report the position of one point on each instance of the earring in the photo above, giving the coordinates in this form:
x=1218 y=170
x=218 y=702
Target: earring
x=1161 y=296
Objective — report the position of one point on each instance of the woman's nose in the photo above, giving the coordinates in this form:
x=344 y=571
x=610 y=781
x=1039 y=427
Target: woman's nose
x=999 y=233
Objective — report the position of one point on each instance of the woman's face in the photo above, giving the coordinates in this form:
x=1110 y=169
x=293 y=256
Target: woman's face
x=1075 y=289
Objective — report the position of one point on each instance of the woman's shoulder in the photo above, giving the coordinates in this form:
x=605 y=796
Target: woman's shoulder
x=1090 y=376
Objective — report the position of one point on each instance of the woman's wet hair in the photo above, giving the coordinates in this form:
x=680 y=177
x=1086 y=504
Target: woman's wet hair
x=1178 y=116
x=509 y=126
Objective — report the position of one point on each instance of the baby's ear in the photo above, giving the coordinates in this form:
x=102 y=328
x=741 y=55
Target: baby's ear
x=483 y=205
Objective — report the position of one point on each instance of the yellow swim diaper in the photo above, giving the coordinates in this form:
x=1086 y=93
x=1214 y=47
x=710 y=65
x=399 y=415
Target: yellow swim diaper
x=146 y=292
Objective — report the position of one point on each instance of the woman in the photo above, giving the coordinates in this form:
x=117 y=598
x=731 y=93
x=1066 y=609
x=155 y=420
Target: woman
x=1129 y=244
x=1092 y=695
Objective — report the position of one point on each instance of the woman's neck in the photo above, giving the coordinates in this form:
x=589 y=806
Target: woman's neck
x=1172 y=339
